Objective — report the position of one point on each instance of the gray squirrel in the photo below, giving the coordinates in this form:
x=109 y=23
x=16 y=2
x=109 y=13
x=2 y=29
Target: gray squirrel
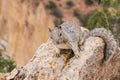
x=69 y=35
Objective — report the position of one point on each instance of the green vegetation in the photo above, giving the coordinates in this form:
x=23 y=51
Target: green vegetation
x=82 y=19
x=70 y=3
x=107 y=16
x=55 y=10
x=6 y=65
x=76 y=13
x=51 y=5
x=57 y=22
x=89 y=2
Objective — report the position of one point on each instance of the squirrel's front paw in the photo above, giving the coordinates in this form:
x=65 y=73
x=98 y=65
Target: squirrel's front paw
x=77 y=55
x=58 y=53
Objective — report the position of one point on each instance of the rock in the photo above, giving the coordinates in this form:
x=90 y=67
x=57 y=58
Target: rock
x=13 y=74
x=45 y=65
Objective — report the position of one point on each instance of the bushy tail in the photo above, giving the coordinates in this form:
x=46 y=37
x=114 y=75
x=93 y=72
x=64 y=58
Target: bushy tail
x=110 y=42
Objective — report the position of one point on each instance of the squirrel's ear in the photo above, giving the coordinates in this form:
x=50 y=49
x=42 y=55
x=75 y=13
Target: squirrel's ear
x=50 y=29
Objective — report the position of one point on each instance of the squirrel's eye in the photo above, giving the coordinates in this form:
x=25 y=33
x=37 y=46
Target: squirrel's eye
x=60 y=34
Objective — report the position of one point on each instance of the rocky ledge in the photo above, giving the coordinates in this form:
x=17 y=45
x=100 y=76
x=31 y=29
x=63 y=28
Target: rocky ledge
x=45 y=65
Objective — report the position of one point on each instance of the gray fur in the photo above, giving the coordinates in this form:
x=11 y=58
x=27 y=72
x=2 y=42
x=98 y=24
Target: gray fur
x=107 y=36
x=72 y=36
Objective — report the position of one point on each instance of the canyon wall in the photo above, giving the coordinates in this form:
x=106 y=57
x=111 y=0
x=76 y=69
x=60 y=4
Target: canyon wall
x=24 y=25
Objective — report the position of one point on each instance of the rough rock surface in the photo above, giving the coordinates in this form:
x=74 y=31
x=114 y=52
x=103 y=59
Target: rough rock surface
x=45 y=65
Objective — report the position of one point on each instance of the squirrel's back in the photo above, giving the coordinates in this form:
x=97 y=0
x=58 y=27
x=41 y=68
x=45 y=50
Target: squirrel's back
x=110 y=42
x=72 y=29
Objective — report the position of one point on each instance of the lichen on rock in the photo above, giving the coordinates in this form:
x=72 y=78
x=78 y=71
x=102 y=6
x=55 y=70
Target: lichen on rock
x=45 y=65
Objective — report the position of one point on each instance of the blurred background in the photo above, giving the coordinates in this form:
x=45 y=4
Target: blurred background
x=24 y=24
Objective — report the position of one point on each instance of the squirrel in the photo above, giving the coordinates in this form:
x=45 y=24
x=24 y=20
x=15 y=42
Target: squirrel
x=69 y=35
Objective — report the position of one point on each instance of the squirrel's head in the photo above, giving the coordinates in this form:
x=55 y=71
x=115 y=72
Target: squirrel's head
x=56 y=35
